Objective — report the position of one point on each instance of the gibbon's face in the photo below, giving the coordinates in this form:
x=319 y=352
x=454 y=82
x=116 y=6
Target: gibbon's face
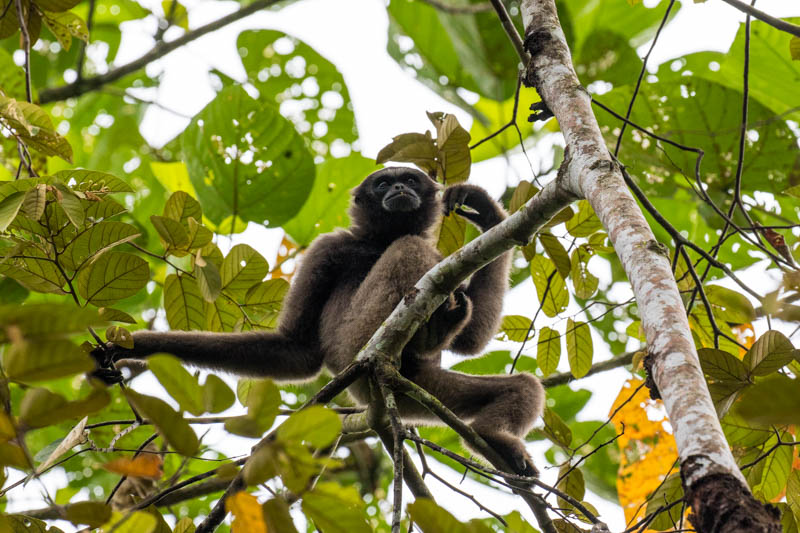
x=397 y=189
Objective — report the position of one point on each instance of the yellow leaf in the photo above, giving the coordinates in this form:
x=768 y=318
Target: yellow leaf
x=247 y=513
x=147 y=465
x=647 y=449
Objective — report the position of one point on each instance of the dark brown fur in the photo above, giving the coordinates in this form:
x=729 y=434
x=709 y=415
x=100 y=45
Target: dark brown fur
x=347 y=285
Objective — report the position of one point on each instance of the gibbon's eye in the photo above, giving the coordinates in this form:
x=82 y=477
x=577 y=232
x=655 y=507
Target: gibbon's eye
x=411 y=181
x=382 y=185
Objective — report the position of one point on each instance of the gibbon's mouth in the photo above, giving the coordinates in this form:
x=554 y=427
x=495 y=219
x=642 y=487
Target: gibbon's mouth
x=400 y=201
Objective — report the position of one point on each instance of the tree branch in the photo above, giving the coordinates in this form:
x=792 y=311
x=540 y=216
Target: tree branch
x=81 y=86
x=775 y=22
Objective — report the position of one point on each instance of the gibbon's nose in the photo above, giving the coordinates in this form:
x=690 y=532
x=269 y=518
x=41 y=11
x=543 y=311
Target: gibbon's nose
x=398 y=187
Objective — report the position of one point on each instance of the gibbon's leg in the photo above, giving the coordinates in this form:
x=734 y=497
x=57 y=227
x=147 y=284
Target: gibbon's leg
x=501 y=409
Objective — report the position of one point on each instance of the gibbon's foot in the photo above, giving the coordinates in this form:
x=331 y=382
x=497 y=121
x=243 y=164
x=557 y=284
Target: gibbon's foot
x=443 y=324
x=513 y=451
x=104 y=355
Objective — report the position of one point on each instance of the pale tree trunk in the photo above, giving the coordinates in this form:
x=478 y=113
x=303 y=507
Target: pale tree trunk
x=714 y=486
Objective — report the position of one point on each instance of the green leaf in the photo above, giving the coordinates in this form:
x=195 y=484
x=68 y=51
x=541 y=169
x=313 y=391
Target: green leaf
x=108 y=314
x=316 y=425
x=242 y=268
x=524 y=192
x=729 y=305
x=669 y=491
x=112 y=277
x=326 y=207
x=9 y=207
x=550 y=286
x=181 y=207
x=262 y=400
x=169 y=423
x=431 y=518
x=57 y=5
x=40 y=407
x=176 y=13
x=199 y=235
x=416 y=148
x=793 y=492
x=452 y=143
x=39 y=321
x=65 y=26
x=12 y=77
x=93 y=514
x=335 y=509
x=270 y=59
x=137 y=522
x=277 y=517
x=208 y=280
x=246 y=160
x=721 y=366
x=579 y=348
x=217 y=396
x=780 y=393
x=739 y=433
x=48 y=359
x=72 y=206
x=35 y=201
x=548 y=352
x=183 y=303
x=585 y=222
x=571 y=483
x=585 y=282
x=38 y=274
x=555 y=428
x=777 y=467
x=222 y=315
x=95 y=241
x=769 y=353
x=172 y=233
x=32 y=124
x=178 y=382
x=92 y=181
x=120 y=336
x=555 y=251
x=516 y=328
x=451 y=234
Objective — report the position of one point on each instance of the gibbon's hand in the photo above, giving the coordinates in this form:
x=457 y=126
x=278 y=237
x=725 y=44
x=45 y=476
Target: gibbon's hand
x=482 y=210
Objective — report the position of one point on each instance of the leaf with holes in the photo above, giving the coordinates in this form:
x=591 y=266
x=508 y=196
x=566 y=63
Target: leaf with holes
x=65 y=26
x=246 y=160
x=585 y=282
x=183 y=303
x=242 y=268
x=114 y=276
x=516 y=328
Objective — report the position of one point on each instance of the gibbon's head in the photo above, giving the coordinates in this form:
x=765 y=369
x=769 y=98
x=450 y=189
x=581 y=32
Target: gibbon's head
x=393 y=202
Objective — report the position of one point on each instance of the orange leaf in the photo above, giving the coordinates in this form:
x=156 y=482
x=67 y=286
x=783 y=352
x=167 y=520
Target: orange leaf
x=247 y=513
x=147 y=465
x=647 y=447
x=284 y=268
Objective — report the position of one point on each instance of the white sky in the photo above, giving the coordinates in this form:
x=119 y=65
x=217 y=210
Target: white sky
x=352 y=34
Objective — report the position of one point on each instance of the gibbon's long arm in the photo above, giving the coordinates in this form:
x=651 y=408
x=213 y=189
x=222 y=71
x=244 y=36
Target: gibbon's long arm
x=487 y=286
x=291 y=353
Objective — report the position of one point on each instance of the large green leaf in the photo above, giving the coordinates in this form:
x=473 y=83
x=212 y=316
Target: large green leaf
x=262 y=400
x=95 y=241
x=183 y=303
x=46 y=359
x=316 y=425
x=41 y=407
x=550 y=286
x=579 y=348
x=548 y=351
x=452 y=50
x=246 y=160
x=336 y=509
x=114 y=276
x=242 y=268
x=277 y=63
x=37 y=321
x=178 y=382
x=326 y=207
x=169 y=423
